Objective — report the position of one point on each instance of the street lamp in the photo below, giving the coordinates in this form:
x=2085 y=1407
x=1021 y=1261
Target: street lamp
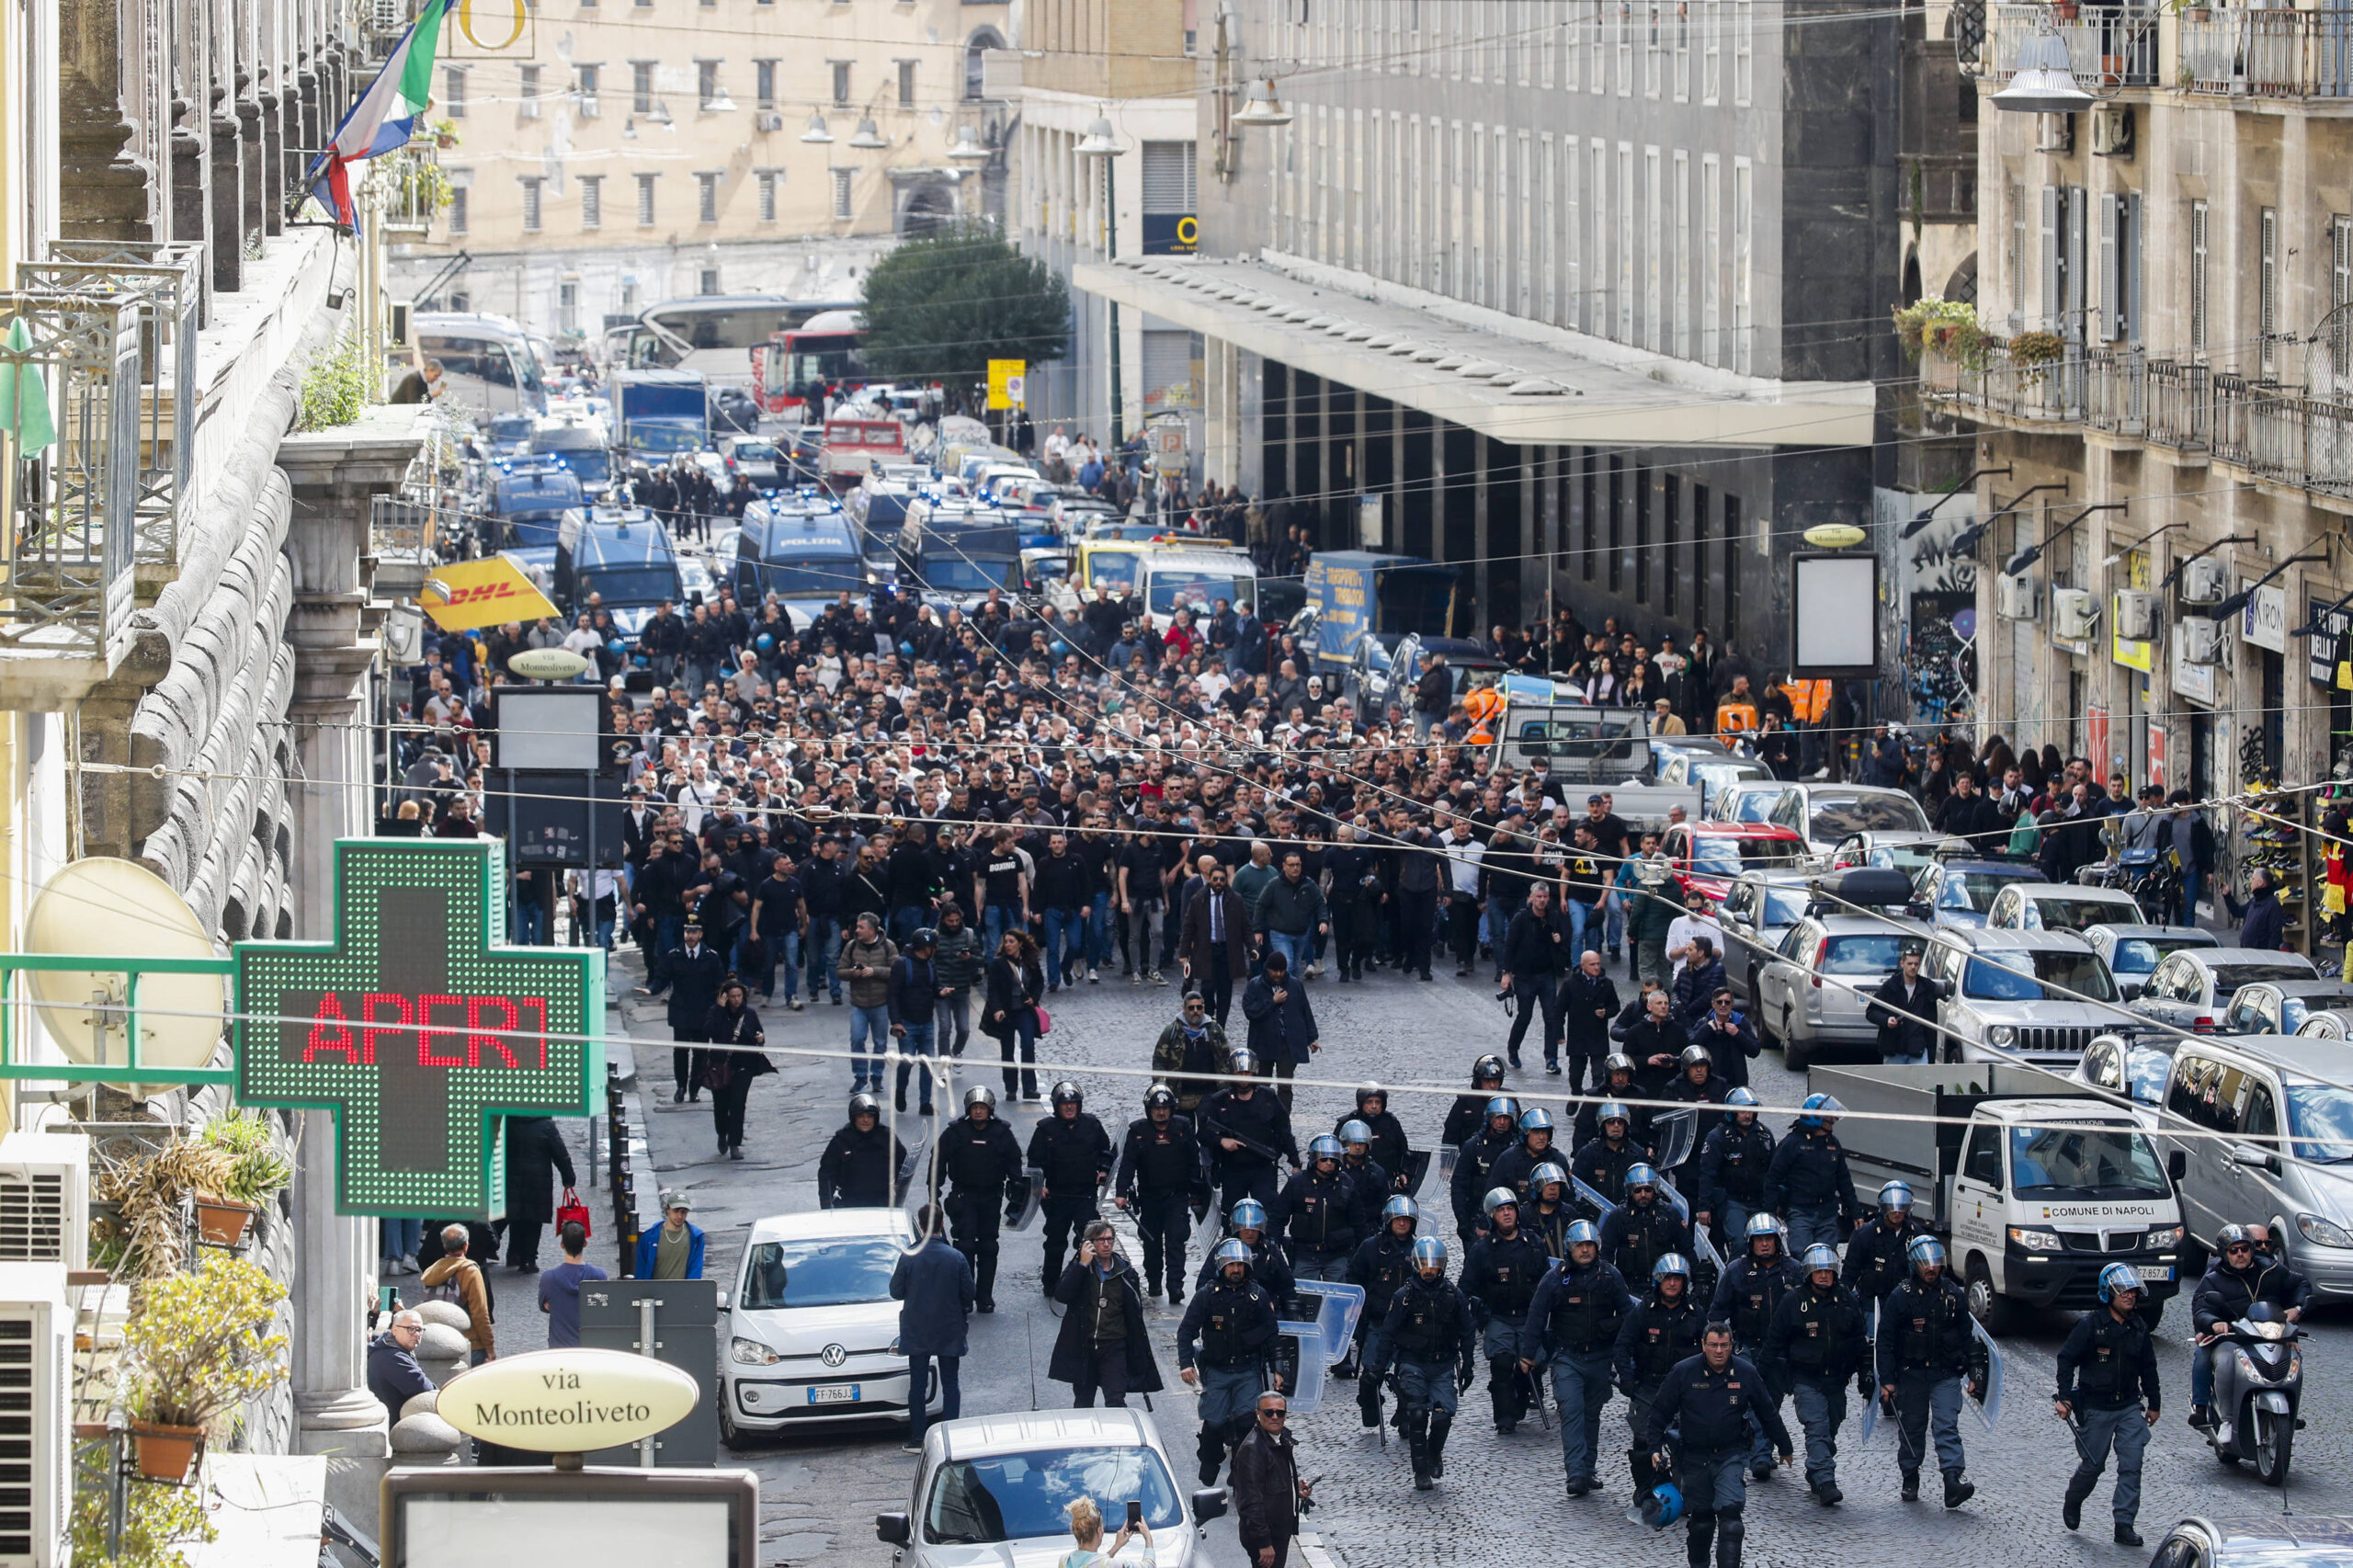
x=1099 y=144
x=2045 y=80
x=1263 y=108
x=817 y=132
x=867 y=138
x=967 y=150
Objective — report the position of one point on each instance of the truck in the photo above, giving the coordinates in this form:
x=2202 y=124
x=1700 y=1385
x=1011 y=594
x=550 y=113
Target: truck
x=956 y=551
x=661 y=414
x=2037 y=1182
x=1355 y=593
x=1594 y=751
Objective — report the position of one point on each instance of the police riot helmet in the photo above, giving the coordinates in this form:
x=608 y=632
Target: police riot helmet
x=1640 y=1175
x=1765 y=1226
x=1486 y=1070
x=1159 y=1095
x=1896 y=1196
x=863 y=1104
x=1613 y=1110
x=1741 y=1099
x=2119 y=1277
x=1499 y=1198
x=1536 y=1118
x=1249 y=1215
x=1230 y=1252
x=1371 y=1092
x=1323 y=1147
x=1429 y=1253
x=1818 y=1110
x=1617 y=1061
x=1503 y=1105
x=1246 y=1064
x=979 y=1094
x=1926 y=1252
x=1067 y=1093
x=1544 y=1175
x=1355 y=1131
x=1671 y=1263
x=1694 y=1056
x=1401 y=1208
x=1583 y=1231
x=1821 y=1256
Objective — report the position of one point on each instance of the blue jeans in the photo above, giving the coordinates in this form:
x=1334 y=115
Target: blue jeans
x=401 y=1238
x=2202 y=1375
x=1580 y=916
x=1065 y=940
x=868 y=1023
x=916 y=1041
x=1098 y=931
x=781 y=952
x=999 y=918
x=1295 y=949
x=2190 y=885
x=530 y=922
x=823 y=945
x=952 y=1021
x=1822 y=1410
x=951 y=1395
x=1582 y=1386
x=1809 y=1223
x=1616 y=928
x=905 y=919
x=2125 y=1431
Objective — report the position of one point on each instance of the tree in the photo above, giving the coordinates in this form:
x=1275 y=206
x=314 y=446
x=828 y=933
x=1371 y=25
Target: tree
x=940 y=308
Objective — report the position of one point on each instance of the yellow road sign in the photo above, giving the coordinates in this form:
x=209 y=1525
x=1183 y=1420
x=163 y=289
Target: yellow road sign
x=465 y=596
x=1006 y=382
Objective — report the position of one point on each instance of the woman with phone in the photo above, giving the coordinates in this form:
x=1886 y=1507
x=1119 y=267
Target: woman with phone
x=1086 y=1529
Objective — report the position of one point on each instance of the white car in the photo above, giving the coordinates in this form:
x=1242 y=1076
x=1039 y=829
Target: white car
x=2062 y=907
x=994 y=1491
x=811 y=1334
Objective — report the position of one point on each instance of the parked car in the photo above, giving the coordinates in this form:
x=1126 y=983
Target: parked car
x=2271 y=1540
x=756 y=459
x=2133 y=1066
x=810 y=1333
x=1905 y=851
x=2326 y=1026
x=1711 y=855
x=1814 y=993
x=1680 y=761
x=2192 y=989
x=2038 y=995
x=1756 y=914
x=1957 y=890
x=2285 y=1006
x=2275 y=1136
x=2062 y=907
x=733 y=407
x=995 y=1490
x=1826 y=813
x=2133 y=952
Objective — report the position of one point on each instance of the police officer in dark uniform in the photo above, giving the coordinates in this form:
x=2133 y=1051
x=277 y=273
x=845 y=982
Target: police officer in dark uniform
x=1223 y=1345
x=1365 y=1174
x=860 y=1167
x=1659 y=1335
x=1382 y=1262
x=1707 y=1404
x=1477 y=1159
x=1807 y=1184
x=1733 y=1163
x=1535 y=1148
x=1602 y=1163
x=1249 y=1112
x=1746 y=1298
x=1574 y=1319
x=1876 y=1254
x=1468 y=1115
x=1388 y=1148
x=982 y=1164
x=1317 y=1214
x=1698 y=1083
x=1428 y=1337
x=1817 y=1343
x=2108 y=1393
x=1924 y=1370
x=1073 y=1153
x=1500 y=1277
x=1546 y=1213
x=1643 y=1229
x=1160 y=1169
x=1268 y=1266
x=1617 y=1072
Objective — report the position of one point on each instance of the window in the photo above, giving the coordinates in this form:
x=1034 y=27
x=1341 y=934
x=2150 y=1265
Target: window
x=458 y=212
x=2191 y=1098
x=1699 y=555
x=2266 y=284
x=707 y=198
x=2340 y=292
x=1547 y=258
x=2259 y=1119
x=707 y=88
x=567 y=304
x=1625 y=242
x=1679 y=26
x=841 y=81
x=585 y=84
x=763 y=83
x=528 y=93
x=1711 y=260
x=1734 y=539
x=1680 y=300
x=1625 y=49
x=2015 y=258
x=1651 y=49
x=707 y=281
x=2120 y=269
x=1711 y=55
x=646 y=200
x=453 y=92
x=1743 y=347
x=1670 y=526
x=1744 y=49
x=1599 y=316
x=1617 y=520
x=1522 y=259
x=1653 y=262
x=976 y=48
x=769 y=179
x=641 y=86
x=841 y=192
x=2198 y=278
x=906 y=84
x=592 y=201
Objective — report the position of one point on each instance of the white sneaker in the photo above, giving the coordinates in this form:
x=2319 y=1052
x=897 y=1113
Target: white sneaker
x=1093 y=977
x=408 y=1264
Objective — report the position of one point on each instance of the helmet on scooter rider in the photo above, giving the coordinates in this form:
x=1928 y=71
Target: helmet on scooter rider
x=2231 y=1236
x=2119 y=1277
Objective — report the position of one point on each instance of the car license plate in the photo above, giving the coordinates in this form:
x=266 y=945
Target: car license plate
x=2156 y=1271
x=834 y=1393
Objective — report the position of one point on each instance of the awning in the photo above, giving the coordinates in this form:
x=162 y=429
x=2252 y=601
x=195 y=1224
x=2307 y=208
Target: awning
x=1527 y=385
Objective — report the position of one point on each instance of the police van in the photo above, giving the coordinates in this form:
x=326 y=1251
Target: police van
x=622 y=556
x=802 y=549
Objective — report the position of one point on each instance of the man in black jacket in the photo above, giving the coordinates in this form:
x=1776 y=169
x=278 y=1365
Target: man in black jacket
x=2243 y=1274
x=1707 y=1403
x=1071 y=1150
x=1904 y=1009
x=1161 y=1173
x=1970 y=815
x=860 y=1167
x=1236 y=1118
x=1265 y=1485
x=535 y=1154
x=1536 y=953
x=1588 y=1000
x=693 y=972
x=1103 y=1342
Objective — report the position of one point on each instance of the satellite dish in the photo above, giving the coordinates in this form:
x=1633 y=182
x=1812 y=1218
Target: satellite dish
x=106 y=907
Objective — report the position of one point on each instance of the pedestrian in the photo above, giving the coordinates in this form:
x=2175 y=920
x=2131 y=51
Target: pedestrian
x=866 y=961
x=1162 y=1174
x=1223 y=1347
x=1660 y=1335
x=456 y=1277
x=673 y=1249
x=2108 y=1396
x=1103 y=1344
x=560 y=1286
x=1536 y=954
x=979 y=1160
x=956 y=957
x=1698 y=1427
x=1283 y=1033
x=1819 y=1341
x=1808 y=1184
x=1903 y=1009
x=1071 y=1154
x=1576 y=1316
x=1267 y=1490
x=1087 y=1529
x=1291 y=914
x=1190 y=1051
x=1588 y=1000
x=693 y=973
x=729 y=1070
x=860 y=1167
x=535 y=1156
x=1215 y=946
x=912 y=1000
x=1009 y=1013
x=1925 y=1346
x=1430 y=1338
x=1500 y=1277
x=2263 y=919
x=394 y=1375
x=933 y=1283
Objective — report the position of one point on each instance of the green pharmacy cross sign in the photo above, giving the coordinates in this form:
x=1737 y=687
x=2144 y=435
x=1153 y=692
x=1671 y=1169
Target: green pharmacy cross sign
x=417 y=1029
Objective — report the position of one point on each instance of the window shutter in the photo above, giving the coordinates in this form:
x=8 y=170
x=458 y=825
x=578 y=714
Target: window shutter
x=2197 y=276
x=1168 y=177
x=2051 y=308
x=2132 y=248
x=2077 y=232
x=2111 y=296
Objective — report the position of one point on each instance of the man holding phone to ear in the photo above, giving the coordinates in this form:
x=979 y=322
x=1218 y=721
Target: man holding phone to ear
x=1266 y=1489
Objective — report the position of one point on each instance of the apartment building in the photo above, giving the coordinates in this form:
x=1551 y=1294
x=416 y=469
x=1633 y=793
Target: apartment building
x=616 y=154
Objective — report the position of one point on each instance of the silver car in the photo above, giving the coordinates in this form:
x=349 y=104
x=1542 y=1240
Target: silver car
x=2285 y=1006
x=2133 y=952
x=1755 y=916
x=1815 y=992
x=2192 y=989
x=2033 y=995
x=1826 y=813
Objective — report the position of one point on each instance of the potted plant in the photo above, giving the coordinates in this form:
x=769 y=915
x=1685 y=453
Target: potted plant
x=2032 y=348
x=141 y=1230
x=199 y=1348
x=253 y=1171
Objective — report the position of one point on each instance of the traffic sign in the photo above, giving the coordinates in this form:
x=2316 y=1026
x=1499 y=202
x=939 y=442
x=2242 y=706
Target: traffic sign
x=1008 y=380
x=419 y=1027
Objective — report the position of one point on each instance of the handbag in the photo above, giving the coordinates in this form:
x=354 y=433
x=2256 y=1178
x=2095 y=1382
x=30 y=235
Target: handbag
x=570 y=1211
x=1045 y=1020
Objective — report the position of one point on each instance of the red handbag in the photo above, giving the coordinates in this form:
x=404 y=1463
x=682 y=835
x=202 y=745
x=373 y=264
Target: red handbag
x=572 y=1209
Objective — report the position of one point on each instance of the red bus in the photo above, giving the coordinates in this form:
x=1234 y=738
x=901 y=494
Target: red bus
x=819 y=357
x=854 y=444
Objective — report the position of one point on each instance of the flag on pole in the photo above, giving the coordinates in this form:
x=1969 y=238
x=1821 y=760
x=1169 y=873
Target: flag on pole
x=384 y=116
x=24 y=395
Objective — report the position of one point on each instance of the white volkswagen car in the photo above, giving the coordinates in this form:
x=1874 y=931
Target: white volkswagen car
x=811 y=1335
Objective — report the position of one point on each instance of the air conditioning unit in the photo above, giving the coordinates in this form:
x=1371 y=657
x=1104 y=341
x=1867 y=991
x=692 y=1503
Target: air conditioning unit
x=387 y=16
x=2205 y=581
x=36 y=1392
x=2075 y=614
x=2112 y=130
x=2054 y=134
x=2136 y=616
x=45 y=1199
x=589 y=109
x=2017 y=598
x=2200 y=640
x=771 y=120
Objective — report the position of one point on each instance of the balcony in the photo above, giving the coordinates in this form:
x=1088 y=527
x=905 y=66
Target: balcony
x=2044 y=391
x=2116 y=390
x=2179 y=405
x=409 y=188
x=2267 y=54
x=2113 y=46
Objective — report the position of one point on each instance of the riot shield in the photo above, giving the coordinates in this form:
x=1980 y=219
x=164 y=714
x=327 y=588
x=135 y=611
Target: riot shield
x=1021 y=1205
x=1672 y=1135
x=1446 y=1156
x=1338 y=1306
x=1675 y=1199
x=1985 y=1367
x=1871 y=1405
x=1303 y=1360
x=1417 y=1169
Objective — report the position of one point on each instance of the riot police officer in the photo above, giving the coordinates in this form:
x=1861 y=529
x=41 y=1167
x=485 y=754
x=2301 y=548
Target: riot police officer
x=1468 y=1115
x=1160 y=1172
x=1817 y=1342
x=1388 y=1146
x=1223 y=1345
x=1500 y=1277
x=1368 y=1175
x=1316 y=1214
x=1246 y=1127
x=1534 y=1148
x=1618 y=1071
x=1428 y=1337
x=1602 y=1163
x=1746 y=1296
x=1925 y=1370
x=860 y=1167
x=1574 y=1319
x=1696 y=1080
x=1877 y=1258
x=1659 y=1335
x=1644 y=1228
x=1477 y=1158
x=1547 y=1213
x=1382 y=1262
x=1808 y=1184
x=981 y=1161
x=1268 y=1266
x=1707 y=1404
x=2108 y=1393
x=1073 y=1152
x=1733 y=1163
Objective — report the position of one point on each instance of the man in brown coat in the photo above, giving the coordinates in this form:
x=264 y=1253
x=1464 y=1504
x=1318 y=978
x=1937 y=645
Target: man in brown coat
x=454 y=1272
x=1215 y=942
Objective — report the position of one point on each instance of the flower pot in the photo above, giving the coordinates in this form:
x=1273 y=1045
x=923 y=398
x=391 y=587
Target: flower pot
x=2065 y=10
x=166 y=1453
x=2199 y=13
x=2111 y=70
x=221 y=1223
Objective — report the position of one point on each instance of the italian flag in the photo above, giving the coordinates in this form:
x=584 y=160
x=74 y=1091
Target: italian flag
x=381 y=121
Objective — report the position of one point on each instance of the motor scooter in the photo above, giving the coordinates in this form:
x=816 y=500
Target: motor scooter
x=2258 y=1387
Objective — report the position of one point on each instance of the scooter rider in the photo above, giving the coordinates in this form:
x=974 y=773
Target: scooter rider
x=1073 y=1153
x=1732 y=1164
x=1707 y=1404
x=2243 y=1274
x=1500 y=1277
x=1316 y=1214
x=1808 y=1184
x=1160 y=1166
x=981 y=1163
x=1427 y=1335
x=1223 y=1345
x=1924 y=1342
x=1368 y=1175
x=1382 y=1262
x=2108 y=1393
x=1746 y=1297
x=1819 y=1341
x=1643 y=1229
x=1477 y=1159
x=1268 y=1266
x=1547 y=1214
x=1468 y=1115
x=1602 y=1165
x=1659 y=1335
x=1575 y=1317
x=1876 y=1261
x=1535 y=1148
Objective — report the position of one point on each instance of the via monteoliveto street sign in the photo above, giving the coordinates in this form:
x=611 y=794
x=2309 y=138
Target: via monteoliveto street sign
x=568 y=1400
x=418 y=1028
